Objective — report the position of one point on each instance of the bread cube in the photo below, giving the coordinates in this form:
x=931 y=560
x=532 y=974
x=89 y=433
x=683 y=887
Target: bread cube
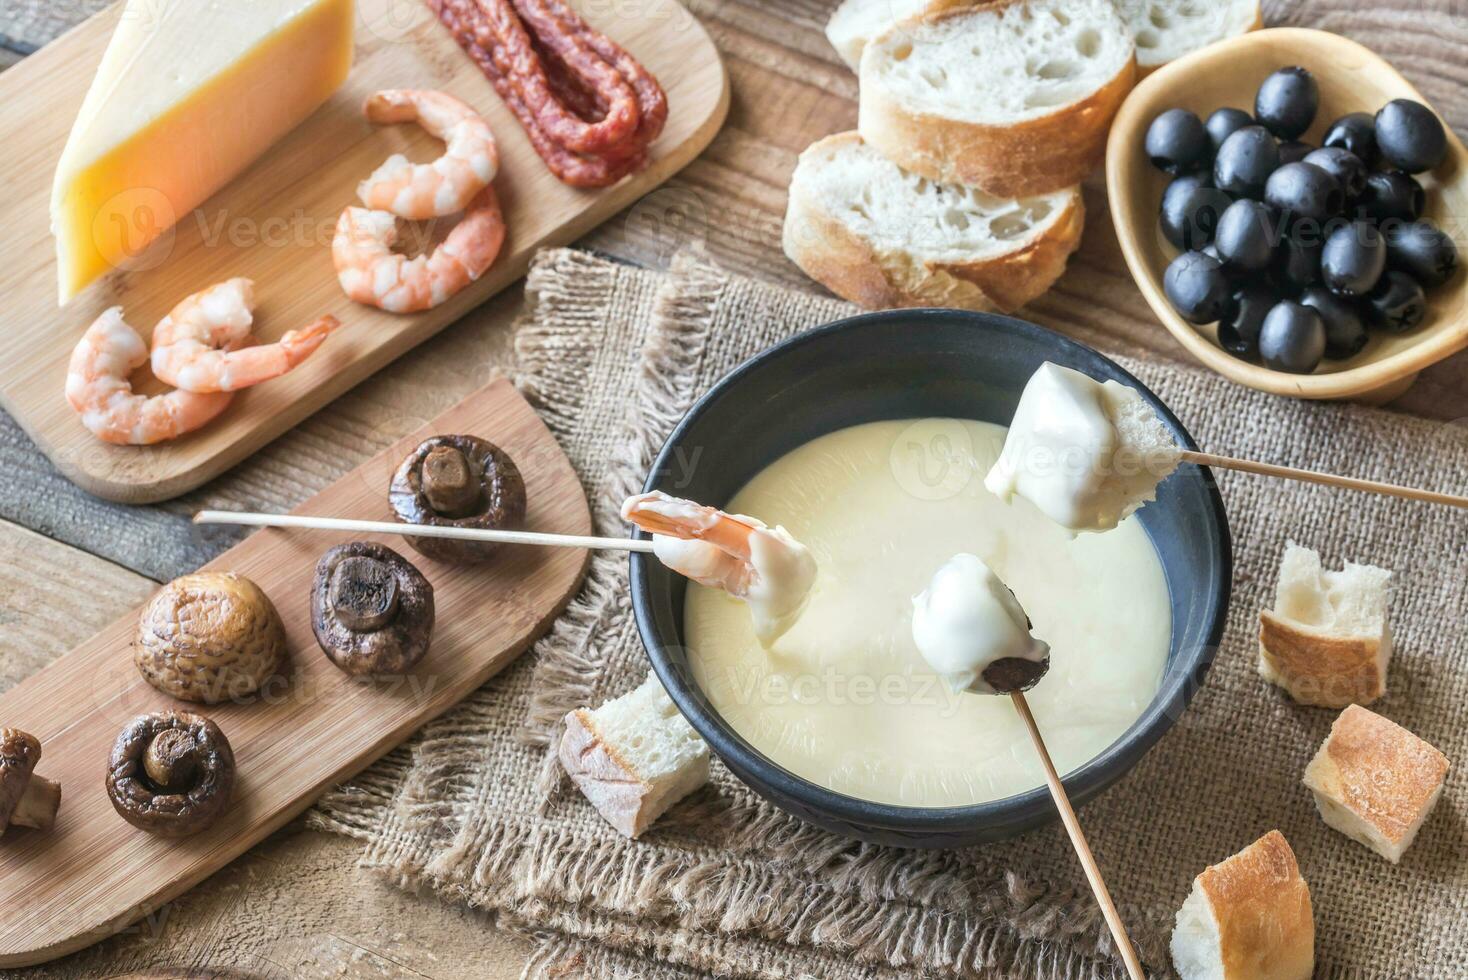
x=1327 y=641
x=634 y=756
x=1376 y=782
x=1248 y=918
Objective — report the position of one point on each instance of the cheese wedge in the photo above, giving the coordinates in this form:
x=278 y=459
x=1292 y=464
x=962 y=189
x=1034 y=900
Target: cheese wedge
x=189 y=93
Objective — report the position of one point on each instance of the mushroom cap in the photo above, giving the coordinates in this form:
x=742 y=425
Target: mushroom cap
x=395 y=637
x=19 y=753
x=499 y=503
x=172 y=811
x=209 y=637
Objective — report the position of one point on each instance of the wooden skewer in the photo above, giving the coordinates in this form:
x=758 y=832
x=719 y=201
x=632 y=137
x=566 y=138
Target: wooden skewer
x=421 y=530
x=1326 y=479
x=1078 y=840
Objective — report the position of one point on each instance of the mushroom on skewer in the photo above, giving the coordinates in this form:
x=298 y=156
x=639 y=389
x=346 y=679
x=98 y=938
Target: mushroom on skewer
x=26 y=800
x=209 y=637
x=371 y=610
x=458 y=481
x=171 y=773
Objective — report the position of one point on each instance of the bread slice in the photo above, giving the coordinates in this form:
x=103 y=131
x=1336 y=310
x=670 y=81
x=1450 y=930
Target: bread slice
x=1375 y=782
x=1327 y=641
x=1248 y=918
x=1168 y=29
x=634 y=757
x=856 y=22
x=1012 y=97
x=882 y=237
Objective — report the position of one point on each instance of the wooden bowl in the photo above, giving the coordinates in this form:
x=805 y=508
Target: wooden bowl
x=1352 y=79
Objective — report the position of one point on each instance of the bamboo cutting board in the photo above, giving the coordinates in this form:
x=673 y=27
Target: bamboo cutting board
x=273 y=224
x=94 y=874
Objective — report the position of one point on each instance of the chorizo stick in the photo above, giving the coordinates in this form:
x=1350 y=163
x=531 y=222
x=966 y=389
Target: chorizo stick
x=462 y=19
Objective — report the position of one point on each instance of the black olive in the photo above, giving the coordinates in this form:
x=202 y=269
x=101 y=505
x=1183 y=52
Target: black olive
x=1293 y=151
x=1245 y=161
x=1422 y=250
x=1410 y=136
x=1176 y=142
x=1196 y=287
x=1388 y=195
x=1297 y=263
x=1343 y=165
x=1224 y=122
x=1356 y=132
x=1190 y=211
x=1238 y=331
x=1287 y=101
x=1303 y=190
x=1292 y=338
x=1397 y=304
x=1345 y=331
x=1353 y=259
x=1247 y=234
x=1211 y=250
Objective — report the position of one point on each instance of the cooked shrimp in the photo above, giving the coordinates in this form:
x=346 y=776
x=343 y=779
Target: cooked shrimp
x=199 y=346
x=97 y=387
x=766 y=567
x=418 y=191
x=371 y=272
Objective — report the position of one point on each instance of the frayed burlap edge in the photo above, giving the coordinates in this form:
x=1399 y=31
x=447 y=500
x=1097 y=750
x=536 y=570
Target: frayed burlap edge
x=861 y=904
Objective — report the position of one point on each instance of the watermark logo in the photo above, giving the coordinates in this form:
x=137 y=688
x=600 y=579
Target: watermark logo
x=133 y=229
x=933 y=459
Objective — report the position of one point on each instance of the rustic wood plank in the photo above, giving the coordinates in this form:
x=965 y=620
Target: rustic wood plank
x=295 y=906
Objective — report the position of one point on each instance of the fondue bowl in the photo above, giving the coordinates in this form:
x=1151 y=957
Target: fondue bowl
x=916 y=364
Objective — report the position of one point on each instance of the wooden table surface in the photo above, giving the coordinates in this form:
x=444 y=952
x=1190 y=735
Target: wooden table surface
x=295 y=905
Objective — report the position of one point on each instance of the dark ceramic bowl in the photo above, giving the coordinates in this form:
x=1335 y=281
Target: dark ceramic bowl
x=907 y=364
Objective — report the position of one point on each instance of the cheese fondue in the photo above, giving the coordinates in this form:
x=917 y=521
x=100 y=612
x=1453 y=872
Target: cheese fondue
x=845 y=700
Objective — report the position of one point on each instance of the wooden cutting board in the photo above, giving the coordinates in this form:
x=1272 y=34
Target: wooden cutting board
x=94 y=874
x=274 y=224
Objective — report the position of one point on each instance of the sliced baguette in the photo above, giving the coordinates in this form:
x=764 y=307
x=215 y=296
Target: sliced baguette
x=1327 y=641
x=634 y=756
x=1015 y=97
x=1168 y=29
x=881 y=237
x=1248 y=918
x=1376 y=782
x=856 y=22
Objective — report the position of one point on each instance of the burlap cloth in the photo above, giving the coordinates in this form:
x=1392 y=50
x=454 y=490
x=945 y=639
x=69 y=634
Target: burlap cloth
x=726 y=884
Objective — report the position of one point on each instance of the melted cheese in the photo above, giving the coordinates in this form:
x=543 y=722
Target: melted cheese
x=844 y=698
x=189 y=93
x=966 y=620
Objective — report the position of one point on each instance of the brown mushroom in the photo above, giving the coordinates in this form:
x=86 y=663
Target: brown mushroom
x=26 y=800
x=458 y=481
x=171 y=773
x=371 y=610
x=209 y=637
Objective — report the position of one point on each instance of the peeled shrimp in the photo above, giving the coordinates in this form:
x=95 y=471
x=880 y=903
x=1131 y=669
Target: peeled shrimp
x=418 y=191
x=371 y=272
x=764 y=566
x=97 y=387
x=197 y=347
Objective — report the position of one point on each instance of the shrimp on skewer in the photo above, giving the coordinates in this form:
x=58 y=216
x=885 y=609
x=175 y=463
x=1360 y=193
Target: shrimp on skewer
x=98 y=389
x=198 y=346
x=418 y=191
x=764 y=566
x=371 y=272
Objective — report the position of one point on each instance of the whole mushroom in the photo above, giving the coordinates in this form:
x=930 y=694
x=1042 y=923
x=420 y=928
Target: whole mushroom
x=171 y=773
x=209 y=637
x=371 y=610
x=458 y=481
x=26 y=800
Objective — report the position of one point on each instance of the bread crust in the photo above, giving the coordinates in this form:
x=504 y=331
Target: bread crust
x=611 y=784
x=1379 y=771
x=1262 y=906
x=828 y=251
x=1036 y=156
x=1316 y=668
